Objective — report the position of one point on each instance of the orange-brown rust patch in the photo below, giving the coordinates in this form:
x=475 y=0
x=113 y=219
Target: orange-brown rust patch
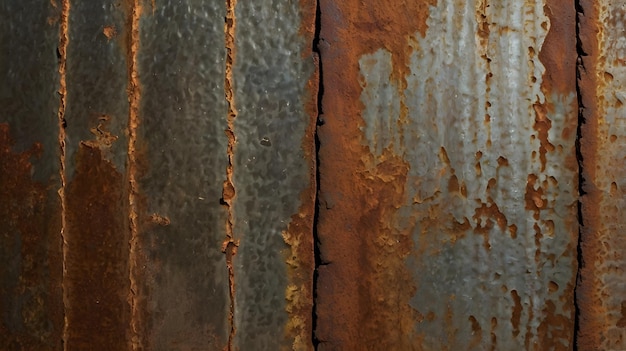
x=364 y=291
x=534 y=197
x=591 y=311
x=31 y=270
x=160 y=220
x=558 y=53
x=363 y=27
x=542 y=126
x=97 y=236
x=555 y=328
x=109 y=31
x=485 y=217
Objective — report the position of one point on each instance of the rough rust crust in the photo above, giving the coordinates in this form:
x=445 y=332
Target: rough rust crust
x=592 y=328
x=364 y=290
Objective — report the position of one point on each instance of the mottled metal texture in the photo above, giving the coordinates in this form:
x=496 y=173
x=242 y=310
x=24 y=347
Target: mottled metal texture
x=448 y=175
x=602 y=288
x=96 y=235
x=31 y=304
x=275 y=91
x=182 y=157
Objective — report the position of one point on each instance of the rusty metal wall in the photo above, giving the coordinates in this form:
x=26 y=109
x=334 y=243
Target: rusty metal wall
x=602 y=74
x=448 y=169
x=159 y=175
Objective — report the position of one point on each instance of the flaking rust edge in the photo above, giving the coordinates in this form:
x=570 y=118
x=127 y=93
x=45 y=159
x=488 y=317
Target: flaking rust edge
x=589 y=332
x=600 y=293
x=558 y=55
x=299 y=233
x=364 y=289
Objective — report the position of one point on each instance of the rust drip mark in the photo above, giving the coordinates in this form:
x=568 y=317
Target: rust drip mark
x=229 y=247
x=134 y=98
x=516 y=315
x=542 y=126
x=62 y=54
x=534 y=197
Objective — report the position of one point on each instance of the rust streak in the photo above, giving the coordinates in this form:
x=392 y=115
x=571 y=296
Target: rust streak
x=229 y=247
x=62 y=52
x=134 y=96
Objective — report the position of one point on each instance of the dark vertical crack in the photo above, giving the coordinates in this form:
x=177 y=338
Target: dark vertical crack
x=229 y=246
x=62 y=56
x=580 y=68
x=320 y=123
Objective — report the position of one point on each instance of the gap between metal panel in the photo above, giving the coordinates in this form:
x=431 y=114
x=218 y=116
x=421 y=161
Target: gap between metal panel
x=320 y=122
x=580 y=68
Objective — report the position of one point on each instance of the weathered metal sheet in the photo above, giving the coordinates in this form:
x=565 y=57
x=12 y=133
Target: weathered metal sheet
x=602 y=288
x=273 y=114
x=448 y=175
x=182 y=160
x=96 y=233
x=31 y=304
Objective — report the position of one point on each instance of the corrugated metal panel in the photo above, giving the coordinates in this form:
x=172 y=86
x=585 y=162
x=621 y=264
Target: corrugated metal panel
x=182 y=160
x=96 y=232
x=274 y=101
x=601 y=296
x=448 y=175
x=186 y=147
x=31 y=304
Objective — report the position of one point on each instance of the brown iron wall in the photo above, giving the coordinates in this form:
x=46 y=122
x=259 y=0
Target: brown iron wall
x=159 y=175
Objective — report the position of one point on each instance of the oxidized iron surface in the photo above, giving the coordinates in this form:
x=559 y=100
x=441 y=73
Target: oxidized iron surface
x=275 y=92
x=138 y=113
x=601 y=290
x=31 y=303
x=182 y=157
x=448 y=175
x=96 y=232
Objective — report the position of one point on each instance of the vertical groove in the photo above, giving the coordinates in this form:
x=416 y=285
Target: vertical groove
x=320 y=122
x=134 y=96
x=62 y=55
x=229 y=247
x=579 y=158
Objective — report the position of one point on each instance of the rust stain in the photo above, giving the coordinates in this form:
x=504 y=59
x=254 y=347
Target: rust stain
x=160 y=220
x=299 y=234
x=517 y=312
x=62 y=51
x=97 y=236
x=590 y=291
x=230 y=244
x=30 y=226
x=136 y=322
x=365 y=289
x=477 y=332
x=109 y=31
